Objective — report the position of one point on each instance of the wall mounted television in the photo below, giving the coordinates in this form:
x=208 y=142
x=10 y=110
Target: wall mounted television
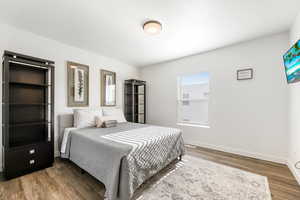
x=292 y=63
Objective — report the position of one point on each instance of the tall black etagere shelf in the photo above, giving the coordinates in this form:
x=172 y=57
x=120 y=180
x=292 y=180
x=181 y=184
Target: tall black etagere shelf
x=27 y=114
x=135 y=101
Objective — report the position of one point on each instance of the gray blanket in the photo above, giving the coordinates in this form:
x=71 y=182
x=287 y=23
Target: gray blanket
x=123 y=157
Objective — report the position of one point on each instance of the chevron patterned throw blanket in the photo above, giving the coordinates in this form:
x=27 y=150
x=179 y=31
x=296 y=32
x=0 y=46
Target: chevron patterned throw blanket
x=153 y=148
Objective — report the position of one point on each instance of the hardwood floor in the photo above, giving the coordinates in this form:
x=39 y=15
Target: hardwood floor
x=282 y=183
x=64 y=180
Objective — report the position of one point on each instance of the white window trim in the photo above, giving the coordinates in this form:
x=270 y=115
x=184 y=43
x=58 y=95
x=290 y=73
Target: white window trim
x=193 y=125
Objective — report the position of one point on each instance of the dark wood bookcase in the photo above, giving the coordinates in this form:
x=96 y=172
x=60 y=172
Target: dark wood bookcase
x=27 y=114
x=135 y=101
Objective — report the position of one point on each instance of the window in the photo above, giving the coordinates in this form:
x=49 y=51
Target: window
x=193 y=99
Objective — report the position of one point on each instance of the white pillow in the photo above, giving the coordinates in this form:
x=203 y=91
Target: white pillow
x=116 y=113
x=86 y=117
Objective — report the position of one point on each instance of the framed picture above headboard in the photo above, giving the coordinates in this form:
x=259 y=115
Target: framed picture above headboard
x=108 y=88
x=78 y=84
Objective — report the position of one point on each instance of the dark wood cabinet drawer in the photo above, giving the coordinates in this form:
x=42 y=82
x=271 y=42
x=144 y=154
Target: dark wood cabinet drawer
x=28 y=159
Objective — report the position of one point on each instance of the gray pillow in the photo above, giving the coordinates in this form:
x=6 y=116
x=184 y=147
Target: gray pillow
x=110 y=123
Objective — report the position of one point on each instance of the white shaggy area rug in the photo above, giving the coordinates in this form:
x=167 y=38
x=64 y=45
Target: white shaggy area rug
x=198 y=179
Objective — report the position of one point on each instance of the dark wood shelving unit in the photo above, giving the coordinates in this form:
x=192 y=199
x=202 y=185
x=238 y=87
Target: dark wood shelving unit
x=30 y=84
x=135 y=101
x=28 y=104
x=28 y=114
x=29 y=123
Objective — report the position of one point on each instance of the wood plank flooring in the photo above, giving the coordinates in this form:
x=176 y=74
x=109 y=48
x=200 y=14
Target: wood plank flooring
x=64 y=180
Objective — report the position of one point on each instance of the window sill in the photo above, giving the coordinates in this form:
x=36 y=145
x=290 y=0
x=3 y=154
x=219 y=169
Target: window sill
x=193 y=125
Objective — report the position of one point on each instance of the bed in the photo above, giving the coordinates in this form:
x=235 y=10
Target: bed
x=121 y=157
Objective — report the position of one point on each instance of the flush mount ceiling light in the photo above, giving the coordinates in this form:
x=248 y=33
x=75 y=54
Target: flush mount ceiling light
x=152 y=27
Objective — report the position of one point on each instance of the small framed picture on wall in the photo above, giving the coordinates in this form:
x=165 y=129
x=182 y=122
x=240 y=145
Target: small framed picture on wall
x=108 y=88
x=244 y=74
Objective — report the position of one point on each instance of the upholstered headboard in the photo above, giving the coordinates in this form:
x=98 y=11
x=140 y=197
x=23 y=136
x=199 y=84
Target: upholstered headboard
x=64 y=121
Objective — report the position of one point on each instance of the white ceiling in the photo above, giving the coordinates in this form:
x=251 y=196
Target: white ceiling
x=114 y=27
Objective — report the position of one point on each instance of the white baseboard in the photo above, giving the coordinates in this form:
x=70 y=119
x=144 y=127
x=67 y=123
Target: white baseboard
x=294 y=171
x=243 y=153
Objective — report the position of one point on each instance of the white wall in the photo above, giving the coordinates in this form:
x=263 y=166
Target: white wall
x=294 y=110
x=246 y=117
x=27 y=43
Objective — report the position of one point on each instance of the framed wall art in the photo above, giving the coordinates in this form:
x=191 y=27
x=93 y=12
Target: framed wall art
x=108 y=88
x=244 y=74
x=78 y=84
